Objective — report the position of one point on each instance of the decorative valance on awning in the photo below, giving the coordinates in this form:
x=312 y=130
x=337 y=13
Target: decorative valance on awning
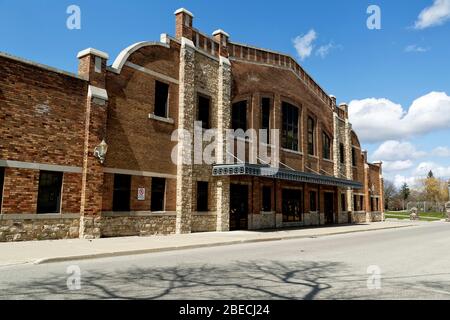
x=257 y=170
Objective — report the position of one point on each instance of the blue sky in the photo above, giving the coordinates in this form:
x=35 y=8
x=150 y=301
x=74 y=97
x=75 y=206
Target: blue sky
x=398 y=63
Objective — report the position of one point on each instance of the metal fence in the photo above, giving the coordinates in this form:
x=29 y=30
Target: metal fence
x=426 y=206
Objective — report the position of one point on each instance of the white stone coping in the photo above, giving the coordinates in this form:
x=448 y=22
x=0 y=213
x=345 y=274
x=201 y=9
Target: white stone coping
x=162 y=119
x=41 y=66
x=94 y=52
x=185 y=42
x=224 y=61
x=328 y=160
x=39 y=166
x=313 y=156
x=139 y=173
x=152 y=73
x=183 y=10
x=24 y=216
x=220 y=31
x=203 y=214
x=99 y=93
x=111 y=214
x=127 y=52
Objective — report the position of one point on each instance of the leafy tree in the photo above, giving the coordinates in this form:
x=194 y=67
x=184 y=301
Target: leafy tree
x=432 y=188
x=405 y=192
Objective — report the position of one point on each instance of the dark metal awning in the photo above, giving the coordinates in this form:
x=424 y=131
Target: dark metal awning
x=257 y=170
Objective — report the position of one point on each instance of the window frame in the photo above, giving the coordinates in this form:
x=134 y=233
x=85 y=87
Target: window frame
x=313 y=195
x=155 y=104
x=236 y=124
x=288 y=215
x=162 y=201
x=354 y=160
x=204 y=207
x=326 y=137
x=121 y=206
x=266 y=120
x=201 y=96
x=342 y=153
x=311 y=135
x=288 y=112
x=58 y=187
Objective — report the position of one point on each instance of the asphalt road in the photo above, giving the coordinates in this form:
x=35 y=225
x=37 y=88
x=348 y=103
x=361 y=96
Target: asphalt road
x=414 y=263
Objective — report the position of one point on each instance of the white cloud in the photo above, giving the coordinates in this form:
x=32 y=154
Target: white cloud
x=412 y=182
x=443 y=152
x=439 y=171
x=304 y=44
x=416 y=48
x=399 y=165
x=393 y=150
x=437 y=14
x=377 y=120
x=324 y=50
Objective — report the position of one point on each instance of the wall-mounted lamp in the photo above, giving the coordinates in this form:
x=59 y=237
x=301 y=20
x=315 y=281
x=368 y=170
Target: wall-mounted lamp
x=100 y=151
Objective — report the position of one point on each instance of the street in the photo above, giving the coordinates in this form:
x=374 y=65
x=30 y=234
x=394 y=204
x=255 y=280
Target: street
x=414 y=264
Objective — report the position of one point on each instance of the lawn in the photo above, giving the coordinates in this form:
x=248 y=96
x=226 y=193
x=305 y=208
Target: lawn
x=428 y=216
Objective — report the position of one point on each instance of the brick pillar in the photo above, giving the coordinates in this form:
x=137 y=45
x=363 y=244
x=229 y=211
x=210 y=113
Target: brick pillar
x=185 y=124
x=348 y=161
x=222 y=38
x=183 y=24
x=223 y=123
x=92 y=66
x=336 y=161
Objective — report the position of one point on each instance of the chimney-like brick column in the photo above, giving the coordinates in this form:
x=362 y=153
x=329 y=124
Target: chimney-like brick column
x=222 y=38
x=183 y=24
x=92 y=66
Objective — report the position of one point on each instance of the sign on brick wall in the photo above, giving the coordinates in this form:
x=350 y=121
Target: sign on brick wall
x=141 y=194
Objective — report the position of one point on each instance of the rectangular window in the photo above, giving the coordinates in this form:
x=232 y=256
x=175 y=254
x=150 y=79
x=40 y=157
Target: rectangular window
x=343 y=202
x=49 y=193
x=355 y=203
x=354 y=157
x=202 y=196
x=2 y=179
x=290 y=127
x=342 y=152
x=311 y=136
x=377 y=204
x=361 y=200
x=292 y=205
x=266 y=199
x=372 y=200
x=161 y=99
x=265 y=117
x=239 y=115
x=158 y=193
x=122 y=193
x=312 y=201
x=203 y=111
x=326 y=145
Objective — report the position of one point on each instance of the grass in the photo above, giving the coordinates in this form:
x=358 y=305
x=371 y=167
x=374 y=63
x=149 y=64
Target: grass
x=428 y=216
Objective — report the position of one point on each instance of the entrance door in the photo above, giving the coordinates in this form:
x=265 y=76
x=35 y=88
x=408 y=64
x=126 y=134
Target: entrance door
x=329 y=207
x=238 y=207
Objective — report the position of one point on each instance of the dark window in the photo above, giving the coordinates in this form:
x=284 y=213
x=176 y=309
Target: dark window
x=311 y=135
x=354 y=157
x=122 y=192
x=266 y=199
x=2 y=178
x=343 y=202
x=161 y=99
x=312 y=201
x=372 y=200
x=326 y=145
x=203 y=111
x=158 y=192
x=265 y=117
x=355 y=203
x=239 y=115
x=290 y=127
x=292 y=205
x=377 y=206
x=202 y=196
x=361 y=199
x=49 y=194
x=342 y=152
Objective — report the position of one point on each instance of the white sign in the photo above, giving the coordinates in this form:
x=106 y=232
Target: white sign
x=141 y=194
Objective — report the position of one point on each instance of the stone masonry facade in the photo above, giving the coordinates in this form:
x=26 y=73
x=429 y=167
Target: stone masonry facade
x=58 y=181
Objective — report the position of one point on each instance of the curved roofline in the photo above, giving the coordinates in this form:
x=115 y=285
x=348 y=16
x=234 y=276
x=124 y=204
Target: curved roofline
x=357 y=138
x=127 y=52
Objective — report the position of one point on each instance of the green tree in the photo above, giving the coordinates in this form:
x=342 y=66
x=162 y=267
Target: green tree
x=405 y=192
x=430 y=174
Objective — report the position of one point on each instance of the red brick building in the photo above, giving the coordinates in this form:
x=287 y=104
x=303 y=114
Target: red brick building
x=56 y=181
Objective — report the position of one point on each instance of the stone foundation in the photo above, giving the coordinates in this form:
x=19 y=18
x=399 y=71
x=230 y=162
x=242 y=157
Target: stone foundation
x=376 y=216
x=26 y=227
x=264 y=220
x=359 y=217
x=204 y=223
x=137 y=224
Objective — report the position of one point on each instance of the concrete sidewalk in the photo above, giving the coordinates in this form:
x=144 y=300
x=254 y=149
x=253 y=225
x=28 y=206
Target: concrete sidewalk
x=76 y=249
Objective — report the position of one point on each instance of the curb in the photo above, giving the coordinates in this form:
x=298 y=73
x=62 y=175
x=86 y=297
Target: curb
x=196 y=246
